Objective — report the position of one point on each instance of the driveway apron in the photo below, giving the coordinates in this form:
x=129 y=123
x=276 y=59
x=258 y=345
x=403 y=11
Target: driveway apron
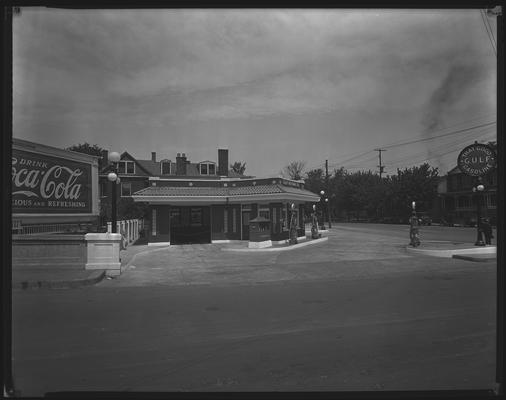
x=208 y=264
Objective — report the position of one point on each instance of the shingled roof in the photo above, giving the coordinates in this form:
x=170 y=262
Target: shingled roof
x=287 y=192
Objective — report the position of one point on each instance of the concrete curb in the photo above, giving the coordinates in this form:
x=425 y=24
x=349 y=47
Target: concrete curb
x=295 y=246
x=93 y=278
x=475 y=259
x=449 y=253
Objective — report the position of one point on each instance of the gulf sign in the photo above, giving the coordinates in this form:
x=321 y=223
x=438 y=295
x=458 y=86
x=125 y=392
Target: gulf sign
x=43 y=184
x=477 y=159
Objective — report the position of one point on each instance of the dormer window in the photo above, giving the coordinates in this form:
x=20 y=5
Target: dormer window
x=126 y=167
x=207 y=168
x=165 y=167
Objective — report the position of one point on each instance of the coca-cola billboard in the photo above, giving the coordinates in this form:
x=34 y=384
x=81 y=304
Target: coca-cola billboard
x=46 y=184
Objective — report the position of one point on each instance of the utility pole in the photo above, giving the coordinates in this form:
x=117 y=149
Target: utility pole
x=327 y=189
x=379 y=212
x=381 y=166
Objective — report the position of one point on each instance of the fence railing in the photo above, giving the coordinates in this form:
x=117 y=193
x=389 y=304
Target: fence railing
x=18 y=228
x=129 y=228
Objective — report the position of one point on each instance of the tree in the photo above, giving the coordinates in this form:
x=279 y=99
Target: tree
x=238 y=167
x=418 y=184
x=294 y=170
x=314 y=180
x=86 y=148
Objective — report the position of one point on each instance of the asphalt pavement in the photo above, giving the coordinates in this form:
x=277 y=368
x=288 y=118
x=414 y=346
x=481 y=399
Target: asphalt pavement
x=358 y=312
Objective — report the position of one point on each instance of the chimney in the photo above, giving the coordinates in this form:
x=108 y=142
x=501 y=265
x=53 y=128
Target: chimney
x=223 y=162
x=153 y=156
x=181 y=164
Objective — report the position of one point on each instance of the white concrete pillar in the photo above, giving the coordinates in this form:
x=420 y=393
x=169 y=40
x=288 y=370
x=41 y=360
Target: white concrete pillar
x=102 y=252
x=109 y=227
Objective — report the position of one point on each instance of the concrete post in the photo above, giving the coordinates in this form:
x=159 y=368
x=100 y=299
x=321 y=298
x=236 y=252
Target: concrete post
x=102 y=250
x=109 y=227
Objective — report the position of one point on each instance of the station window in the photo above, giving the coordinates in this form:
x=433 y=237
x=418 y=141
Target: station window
x=263 y=211
x=284 y=218
x=126 y=189
x=153 y=222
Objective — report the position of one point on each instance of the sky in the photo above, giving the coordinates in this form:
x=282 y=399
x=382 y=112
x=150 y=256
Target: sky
x=272 y=86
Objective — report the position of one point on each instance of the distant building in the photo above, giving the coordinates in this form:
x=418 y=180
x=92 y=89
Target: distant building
x=456 y=201
x=205 y=201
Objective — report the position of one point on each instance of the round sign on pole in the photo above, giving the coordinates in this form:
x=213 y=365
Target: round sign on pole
x=477 y=159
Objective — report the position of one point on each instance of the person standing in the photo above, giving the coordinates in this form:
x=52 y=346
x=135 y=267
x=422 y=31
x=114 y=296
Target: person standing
x=487 y=230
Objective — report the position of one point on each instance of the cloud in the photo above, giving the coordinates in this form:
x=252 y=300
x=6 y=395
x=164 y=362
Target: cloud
x=119 y=72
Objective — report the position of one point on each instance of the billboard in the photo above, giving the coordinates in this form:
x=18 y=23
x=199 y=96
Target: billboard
x=43 y=184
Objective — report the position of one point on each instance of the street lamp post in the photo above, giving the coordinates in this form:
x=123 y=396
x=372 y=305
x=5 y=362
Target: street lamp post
x=113 y=178
x=478 y=189
x=328 y=211
x=323 y=200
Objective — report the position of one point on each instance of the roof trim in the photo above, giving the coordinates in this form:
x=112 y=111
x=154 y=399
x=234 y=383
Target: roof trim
x=244 y=198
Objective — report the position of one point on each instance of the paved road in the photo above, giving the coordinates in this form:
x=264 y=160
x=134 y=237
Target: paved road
x=390 y=322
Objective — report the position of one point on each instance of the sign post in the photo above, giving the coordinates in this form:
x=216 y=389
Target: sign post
x=477 y=160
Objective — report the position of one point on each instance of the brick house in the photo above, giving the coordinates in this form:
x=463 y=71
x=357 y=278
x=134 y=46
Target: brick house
x=456 y=202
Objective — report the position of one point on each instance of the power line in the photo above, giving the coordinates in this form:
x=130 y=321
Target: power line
x=456 y=148
x=354 y=157
x=439 y=136
x=399 y=143
x=488 y=28
x=446 y=145
x=417 y=141
x=458 y=125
